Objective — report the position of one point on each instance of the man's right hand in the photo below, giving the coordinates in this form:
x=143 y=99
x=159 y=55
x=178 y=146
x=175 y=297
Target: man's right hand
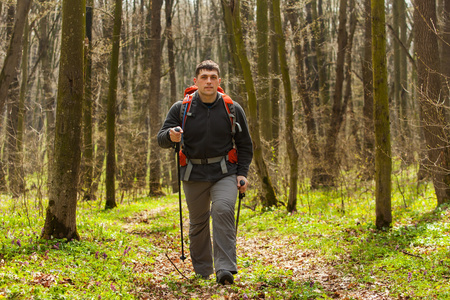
x=175 y=134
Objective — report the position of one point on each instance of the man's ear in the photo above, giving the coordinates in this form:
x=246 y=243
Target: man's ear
x=195 y=80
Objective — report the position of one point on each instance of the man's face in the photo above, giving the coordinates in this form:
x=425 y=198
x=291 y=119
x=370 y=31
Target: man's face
x=207 y=82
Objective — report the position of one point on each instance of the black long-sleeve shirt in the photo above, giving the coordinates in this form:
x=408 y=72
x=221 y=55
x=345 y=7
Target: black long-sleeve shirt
x=207 y=134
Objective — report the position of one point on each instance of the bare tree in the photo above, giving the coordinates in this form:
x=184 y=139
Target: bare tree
x=367 y=77
x=88 y=146
x=60 y=221
x=232 y=11
x=154 y=108
x=432 y=110
x=263 y=88
x=111 y=111
x=383 y=161
x=289 y=118
x=14 y=53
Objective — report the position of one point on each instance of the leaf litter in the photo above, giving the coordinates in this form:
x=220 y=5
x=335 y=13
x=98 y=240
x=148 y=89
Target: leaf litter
x=301 y=266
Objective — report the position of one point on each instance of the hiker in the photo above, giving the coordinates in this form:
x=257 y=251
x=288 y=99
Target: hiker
x=216 y=152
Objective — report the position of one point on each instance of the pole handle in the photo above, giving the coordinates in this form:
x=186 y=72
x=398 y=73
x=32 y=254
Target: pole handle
x=241 y=195
x=177 y=145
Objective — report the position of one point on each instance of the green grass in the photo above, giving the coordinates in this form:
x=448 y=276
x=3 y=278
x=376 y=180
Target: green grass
x=328 y=249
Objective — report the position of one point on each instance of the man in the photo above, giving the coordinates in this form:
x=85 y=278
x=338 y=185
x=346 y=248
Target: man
x=211 y=176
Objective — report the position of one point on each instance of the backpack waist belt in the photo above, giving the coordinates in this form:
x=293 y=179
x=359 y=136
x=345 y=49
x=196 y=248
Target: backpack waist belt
x=205 y=161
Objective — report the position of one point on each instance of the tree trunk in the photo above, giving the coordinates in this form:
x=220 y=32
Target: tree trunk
x=432 y=112
x=60 y=219
x=307 y=101
x=289 y=118
x=397 y=72
x=404 y=75
x=47 y=78
x=100 y=107
x=445 y=59
x=154 y=107
x=11 y=129
x=274 y=86
x=338 y=107
x=141 y=93
x=262 y=45
x=323 y=65
x=367 y=75
x=19 y=173
x=232 y=9
x=172 y=80
x=111 y=111
x=383 y=163
x=311 y=66
x=14 y=53
x=348 y=77
x=88 y=149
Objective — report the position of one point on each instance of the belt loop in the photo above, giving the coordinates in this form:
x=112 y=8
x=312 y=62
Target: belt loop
x=187 y=173
x=223 y=165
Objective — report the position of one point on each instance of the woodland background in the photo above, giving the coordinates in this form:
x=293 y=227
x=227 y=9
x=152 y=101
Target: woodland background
x=85 y=87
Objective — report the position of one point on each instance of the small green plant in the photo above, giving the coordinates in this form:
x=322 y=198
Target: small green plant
x=320 y=252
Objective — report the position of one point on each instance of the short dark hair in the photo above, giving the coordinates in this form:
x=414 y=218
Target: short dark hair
x=207 y=65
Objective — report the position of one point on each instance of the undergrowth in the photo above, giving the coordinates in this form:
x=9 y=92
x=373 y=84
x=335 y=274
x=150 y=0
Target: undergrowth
x=328 y=249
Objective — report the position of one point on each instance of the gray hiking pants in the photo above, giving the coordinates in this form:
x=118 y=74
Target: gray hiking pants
x=215 y=199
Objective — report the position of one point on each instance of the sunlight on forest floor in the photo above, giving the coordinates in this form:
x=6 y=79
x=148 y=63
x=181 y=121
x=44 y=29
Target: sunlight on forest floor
x=330 y=249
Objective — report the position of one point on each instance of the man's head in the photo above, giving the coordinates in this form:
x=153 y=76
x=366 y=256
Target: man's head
x=207 y=65
x=207 y=80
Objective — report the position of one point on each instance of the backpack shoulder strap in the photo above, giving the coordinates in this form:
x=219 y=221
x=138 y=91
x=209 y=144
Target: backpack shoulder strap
x=230 y=107
x=185 y=108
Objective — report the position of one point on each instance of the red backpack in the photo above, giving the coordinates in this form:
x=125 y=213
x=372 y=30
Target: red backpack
x=230 y=108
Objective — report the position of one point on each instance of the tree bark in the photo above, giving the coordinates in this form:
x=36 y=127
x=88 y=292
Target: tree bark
x=19 y=173
x=432 y=112
x=383 y=162
x=232 y=9
x=14 y=53
x=154 y=107
x=397 y=73
x=289 y=118
x=60 y=219
x=274 y=85
x=111 y=111
x=47 y=78
x=172 y=79
x=322 y=62
x=445 y=58
x=339 y=107
x=307 y=101
x=262 y=45
x=11 y=129
x=368 y=158
x=88 y=149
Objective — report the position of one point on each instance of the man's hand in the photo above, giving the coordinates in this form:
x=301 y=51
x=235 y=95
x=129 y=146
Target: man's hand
x=242 y=188
x=175 y=135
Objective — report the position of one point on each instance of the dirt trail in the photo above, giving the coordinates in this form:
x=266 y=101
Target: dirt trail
x=304 y=266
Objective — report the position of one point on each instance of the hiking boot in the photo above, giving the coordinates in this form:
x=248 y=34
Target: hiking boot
x=224 y=277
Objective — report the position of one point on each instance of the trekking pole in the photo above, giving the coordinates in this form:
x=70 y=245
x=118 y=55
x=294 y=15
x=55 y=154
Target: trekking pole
x=177 y=151
x=241 y=195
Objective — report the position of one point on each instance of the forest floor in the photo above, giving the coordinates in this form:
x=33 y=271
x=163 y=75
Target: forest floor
x=329 y=249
